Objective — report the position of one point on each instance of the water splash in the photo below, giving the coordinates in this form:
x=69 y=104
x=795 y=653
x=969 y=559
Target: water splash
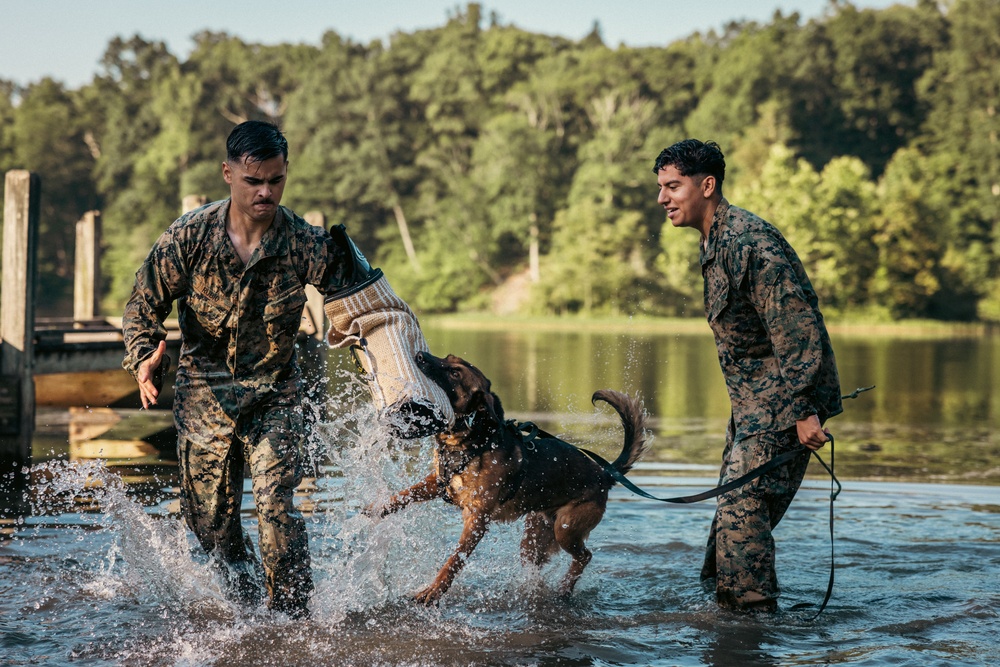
x=360 y=564
x=150 y=557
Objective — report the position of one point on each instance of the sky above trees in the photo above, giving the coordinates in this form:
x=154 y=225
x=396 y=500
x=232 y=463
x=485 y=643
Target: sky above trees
x=64 y=39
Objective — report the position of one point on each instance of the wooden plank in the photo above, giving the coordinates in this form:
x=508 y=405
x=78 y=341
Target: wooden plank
x=90 y=423
x=113 y=434
x=111 y=449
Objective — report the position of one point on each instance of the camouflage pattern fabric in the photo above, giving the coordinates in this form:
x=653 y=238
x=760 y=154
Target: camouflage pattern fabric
x=237 y=393
x=779 y=367
x=773 y=345
x=740 y=555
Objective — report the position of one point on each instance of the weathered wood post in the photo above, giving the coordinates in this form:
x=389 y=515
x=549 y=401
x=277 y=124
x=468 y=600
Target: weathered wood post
x=191 y=202
x=313 y=349
x=314 y=304
x=87 y=273
x=17 y=323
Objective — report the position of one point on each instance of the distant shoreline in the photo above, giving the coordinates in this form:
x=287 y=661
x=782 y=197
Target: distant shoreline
x=694 y=325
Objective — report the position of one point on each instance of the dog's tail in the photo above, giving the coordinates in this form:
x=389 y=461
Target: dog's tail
x=633 y=421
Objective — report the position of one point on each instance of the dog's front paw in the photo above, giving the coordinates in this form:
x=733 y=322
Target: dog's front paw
x=375 y=511
x=429 y=596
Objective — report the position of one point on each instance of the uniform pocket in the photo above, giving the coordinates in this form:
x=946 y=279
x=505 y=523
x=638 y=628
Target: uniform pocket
x=289 y=302
x=718 y=304
x=210 y=314
x=283 y=314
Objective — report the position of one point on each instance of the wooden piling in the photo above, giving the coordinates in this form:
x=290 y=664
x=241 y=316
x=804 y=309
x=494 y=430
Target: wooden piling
x=22 y=191
x=314 y=300
x=191 y=202
x=313 y=350
x=87 y=274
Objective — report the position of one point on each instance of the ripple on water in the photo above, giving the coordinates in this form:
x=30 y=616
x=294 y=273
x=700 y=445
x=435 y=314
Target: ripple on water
x=96 y=578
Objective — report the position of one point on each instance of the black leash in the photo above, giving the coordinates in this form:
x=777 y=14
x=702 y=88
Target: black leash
x=779 y=460
x=834 y=492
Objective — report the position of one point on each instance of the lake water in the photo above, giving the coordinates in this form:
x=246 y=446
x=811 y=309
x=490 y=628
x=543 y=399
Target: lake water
x=103 y=573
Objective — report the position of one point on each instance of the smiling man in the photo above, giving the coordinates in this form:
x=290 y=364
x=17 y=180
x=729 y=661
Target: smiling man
x=775 y=355
x=237 y=269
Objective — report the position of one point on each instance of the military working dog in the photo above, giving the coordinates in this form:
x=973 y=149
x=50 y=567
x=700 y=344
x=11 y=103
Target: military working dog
x=499 y=470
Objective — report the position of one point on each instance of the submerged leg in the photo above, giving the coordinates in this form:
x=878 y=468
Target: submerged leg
x=210 y=471
x=276 y=471
x=745 y=518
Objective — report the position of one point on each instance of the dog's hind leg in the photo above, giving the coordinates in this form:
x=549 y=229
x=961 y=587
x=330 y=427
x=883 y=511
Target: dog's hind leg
x=539 y=541
x=572 y=527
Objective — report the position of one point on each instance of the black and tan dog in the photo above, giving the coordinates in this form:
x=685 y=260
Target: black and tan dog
x=494 y=472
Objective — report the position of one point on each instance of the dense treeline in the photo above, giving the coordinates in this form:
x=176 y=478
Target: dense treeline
x=483 y=166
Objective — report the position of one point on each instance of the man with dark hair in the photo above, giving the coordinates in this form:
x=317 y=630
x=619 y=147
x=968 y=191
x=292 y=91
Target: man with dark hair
x=237 y=269
x=775 y=355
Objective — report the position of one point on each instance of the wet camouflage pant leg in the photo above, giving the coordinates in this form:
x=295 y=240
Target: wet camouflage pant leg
x=740 y=551
x=274 y=438
x=210 y=468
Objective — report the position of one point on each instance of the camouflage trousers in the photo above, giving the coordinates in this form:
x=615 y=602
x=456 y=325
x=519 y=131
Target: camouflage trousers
x=740 y=554
x=213 y=449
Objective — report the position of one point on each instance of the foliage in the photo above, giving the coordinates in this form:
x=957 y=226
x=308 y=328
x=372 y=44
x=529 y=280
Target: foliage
x=474 y=156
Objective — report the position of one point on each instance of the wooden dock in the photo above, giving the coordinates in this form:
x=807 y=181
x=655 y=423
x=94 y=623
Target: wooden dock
x=80 y=364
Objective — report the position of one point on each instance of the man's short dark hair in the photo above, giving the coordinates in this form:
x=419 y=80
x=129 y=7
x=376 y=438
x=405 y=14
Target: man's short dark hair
x=257 y=141
x=692 y=157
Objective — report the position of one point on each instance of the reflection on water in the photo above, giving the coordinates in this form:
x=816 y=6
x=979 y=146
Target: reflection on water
x=933 y=415
x=102 y=572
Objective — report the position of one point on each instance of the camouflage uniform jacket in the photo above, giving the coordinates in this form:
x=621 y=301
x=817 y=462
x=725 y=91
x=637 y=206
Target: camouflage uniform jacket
x=772 y=342
x=238 y=322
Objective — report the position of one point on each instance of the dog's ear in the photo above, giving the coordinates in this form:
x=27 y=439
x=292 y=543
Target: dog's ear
x=490 y=403
x=497 y=407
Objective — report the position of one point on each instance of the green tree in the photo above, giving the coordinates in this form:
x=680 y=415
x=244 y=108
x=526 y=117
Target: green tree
x=879 y=56
x=136 y=206
x=359 y=139
x=521 y=171
x=48 y=139
x=7 y=92
x=842 y=259
x=828 y=217
x=963 y=152
x=908 y=238
x=600 y=259
x=738 y=72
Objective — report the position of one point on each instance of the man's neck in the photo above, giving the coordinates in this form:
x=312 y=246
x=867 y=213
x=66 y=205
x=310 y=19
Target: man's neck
x=706 y=223
x=245 y=234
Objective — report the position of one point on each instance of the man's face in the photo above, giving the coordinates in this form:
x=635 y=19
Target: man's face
x=686 y=199
x=256 y=186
